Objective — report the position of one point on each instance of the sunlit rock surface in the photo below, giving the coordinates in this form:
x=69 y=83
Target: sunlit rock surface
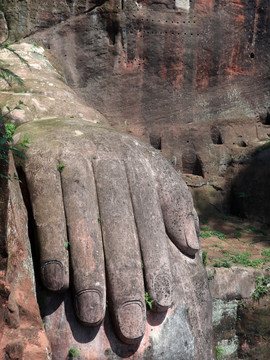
x=184 y=332
x=190 y=77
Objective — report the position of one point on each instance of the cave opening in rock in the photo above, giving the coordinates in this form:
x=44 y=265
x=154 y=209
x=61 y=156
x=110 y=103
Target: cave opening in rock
x=155 y=141
x=242 y=143
x=112 y=29
x=265 y=118
x=216 y=136
x=192 y=164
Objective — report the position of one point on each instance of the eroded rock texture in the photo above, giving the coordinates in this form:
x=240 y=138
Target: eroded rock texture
x=22 y=335
x=253 y=329
x=190 y=77
x=241 y=323
x=184 y=332
x=3 y=28
x=156 y=64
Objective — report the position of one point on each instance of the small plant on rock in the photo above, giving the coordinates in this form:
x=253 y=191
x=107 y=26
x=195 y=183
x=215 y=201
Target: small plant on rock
x=204 y=258
x=6 y=139
x=73 y=352
x=149 y=301
x=219 y=352
x=211 y=277
x=7 y=130
x=61 y=166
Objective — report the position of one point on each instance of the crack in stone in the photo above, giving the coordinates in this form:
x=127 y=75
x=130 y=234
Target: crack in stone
x=101 y=2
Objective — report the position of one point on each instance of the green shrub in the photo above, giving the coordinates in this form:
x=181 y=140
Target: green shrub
x=262 y=287
x=204 y=221
x=222 y=263
x=225 y=217
x=238 y=228
x=206 y=228
x=237 y=234
x=243 y=259
x=207 y=232
x=7 y=142
x=6 y=133
x=265 y=146
x=10 y=129
x=256 y=230
x=219 y=234
x=266 y=252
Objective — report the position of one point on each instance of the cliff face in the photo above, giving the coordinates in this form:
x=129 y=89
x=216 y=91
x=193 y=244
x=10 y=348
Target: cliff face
x=190 y=77
x=22 y=335
x=152 y=64
x=185 y=333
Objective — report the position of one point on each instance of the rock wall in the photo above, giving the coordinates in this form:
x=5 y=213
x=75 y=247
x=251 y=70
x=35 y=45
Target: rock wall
x=3 y=27
x=190 y=77
x=22 y=335
x=156 y=64
x=241 y=323
x=185 y=332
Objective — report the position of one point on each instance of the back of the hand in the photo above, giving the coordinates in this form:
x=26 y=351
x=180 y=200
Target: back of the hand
x=106 y=203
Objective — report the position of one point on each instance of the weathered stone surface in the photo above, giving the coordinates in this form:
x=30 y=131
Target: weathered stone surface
x=234 y=283
x=166 y=337
x=22 y=335
x=228 y=288
x=190 y=77
x=188 y=288
x=153 y=64
x=253 y=329
x=189 y=282
x=240 y=323
x=224 y=327
x=45 y=92
x=3 y=27
x=221 y=74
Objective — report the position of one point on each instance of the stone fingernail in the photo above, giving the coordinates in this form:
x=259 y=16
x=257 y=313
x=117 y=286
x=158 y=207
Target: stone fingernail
x=53 y=275
x=131 y=317
x=163 y=293
x=191 y=237
x=89 y=307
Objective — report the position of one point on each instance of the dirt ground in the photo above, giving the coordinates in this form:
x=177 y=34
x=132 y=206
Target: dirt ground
x=234 y=241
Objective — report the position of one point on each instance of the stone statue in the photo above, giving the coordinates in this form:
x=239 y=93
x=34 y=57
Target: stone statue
x=112 y=219
x=116 y=188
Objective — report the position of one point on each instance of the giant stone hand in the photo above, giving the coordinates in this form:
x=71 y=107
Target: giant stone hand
x=105 y=202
